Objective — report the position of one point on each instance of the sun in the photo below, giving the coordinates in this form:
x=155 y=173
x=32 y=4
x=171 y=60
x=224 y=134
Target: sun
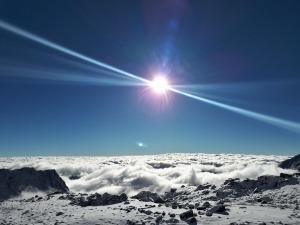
x=160 y=85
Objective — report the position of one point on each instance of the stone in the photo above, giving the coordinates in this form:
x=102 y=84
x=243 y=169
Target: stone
x=292 y=163
x=186 y=214
x=13 y=182
x=191 y=220
x=217 y=209
x=159 y=200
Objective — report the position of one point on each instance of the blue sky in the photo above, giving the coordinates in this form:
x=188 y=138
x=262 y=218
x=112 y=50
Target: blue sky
x=237 y=53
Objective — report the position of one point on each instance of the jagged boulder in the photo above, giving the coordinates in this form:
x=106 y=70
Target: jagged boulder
x=146 y=196
x=292 y=163
x=13 y=182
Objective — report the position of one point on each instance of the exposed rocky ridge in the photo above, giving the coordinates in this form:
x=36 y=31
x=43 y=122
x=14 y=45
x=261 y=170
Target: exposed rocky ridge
x=292 y=163
x=237 y=188
x=13 y=182
x=96 y=199
x=231 y=188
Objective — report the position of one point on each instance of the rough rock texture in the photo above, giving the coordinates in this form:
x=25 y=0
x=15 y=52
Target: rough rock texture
x=292 y=163
x=13 y=182
x=97 y=199
x=236 y=188
x=146 y=196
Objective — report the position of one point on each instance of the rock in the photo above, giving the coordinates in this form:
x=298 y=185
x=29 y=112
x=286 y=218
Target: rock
x=148 y=212
x=129 y=222
x=159 y=219
x=285 y=175
x=173 y=190
x=172 y=221
x=191 y=220
x=172 y=215
x=206 y=205
x=187 y=214
x=13 y=182
x=236 y=188
x=191 y=206
x=217 y=209
x=146 y=196
x=59 y=213
x=208 y=214
x=201 y=208
x=98 y=200
x=202 y=187
x=292 y=163
x=174 y=206
x=159 y=200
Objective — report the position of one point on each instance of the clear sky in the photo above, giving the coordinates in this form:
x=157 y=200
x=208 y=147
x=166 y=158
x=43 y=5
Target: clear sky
x=234 y=55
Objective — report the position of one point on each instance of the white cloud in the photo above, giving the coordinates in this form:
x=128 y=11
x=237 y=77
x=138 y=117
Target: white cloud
x=157 y=173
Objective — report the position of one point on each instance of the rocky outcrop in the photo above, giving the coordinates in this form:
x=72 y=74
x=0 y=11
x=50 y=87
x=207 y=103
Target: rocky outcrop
x=237 y=188
x=147 y=196
x=292 y=163
x=98 y=199
x=13 y=182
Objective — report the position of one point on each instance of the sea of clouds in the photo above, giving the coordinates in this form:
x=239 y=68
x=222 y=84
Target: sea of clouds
x=157 y=173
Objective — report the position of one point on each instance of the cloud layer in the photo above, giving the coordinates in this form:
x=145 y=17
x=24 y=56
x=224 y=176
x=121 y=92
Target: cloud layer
x=158 y=173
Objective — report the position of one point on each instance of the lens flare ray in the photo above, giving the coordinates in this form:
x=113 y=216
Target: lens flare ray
x=289 y=125
x=25 y=34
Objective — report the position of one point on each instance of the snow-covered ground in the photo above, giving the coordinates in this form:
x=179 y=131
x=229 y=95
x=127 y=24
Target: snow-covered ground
x=160 y=173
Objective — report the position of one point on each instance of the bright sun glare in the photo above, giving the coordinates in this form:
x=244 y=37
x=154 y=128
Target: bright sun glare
x=160 y=84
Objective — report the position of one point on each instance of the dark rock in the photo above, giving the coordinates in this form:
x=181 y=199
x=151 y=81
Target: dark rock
x=148 y=212
x=172 y=221
x=158 y=219
x=146 y=196
x=13 y=182
x=98 y=200
x=236 y=188
x=292 y=163
x=173 y=190
x=205 y=192
x=202 y=187
x=186 y=214
x=129 y=222
x=285 y=175
x=191 y=220
x=191 y=206
x=217 y=209
x=159 y=200
x=59 y=213
x=206 y=204
x=201 y=208
x=172 y=215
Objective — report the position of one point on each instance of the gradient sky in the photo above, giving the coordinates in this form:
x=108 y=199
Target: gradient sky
x=242 y=53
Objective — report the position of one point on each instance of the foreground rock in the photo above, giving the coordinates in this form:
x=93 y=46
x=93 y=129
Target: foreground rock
x=13 y=182
x=292 y=163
